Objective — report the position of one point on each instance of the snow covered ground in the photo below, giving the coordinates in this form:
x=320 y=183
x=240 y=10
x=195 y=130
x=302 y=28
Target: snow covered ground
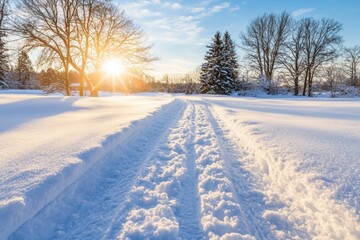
x=156 y=166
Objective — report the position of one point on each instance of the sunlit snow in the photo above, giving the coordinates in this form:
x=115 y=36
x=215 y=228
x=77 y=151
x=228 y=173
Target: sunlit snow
x=157 y=166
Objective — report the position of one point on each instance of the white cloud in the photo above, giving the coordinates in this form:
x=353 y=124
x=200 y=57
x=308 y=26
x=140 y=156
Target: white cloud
x=140 y=9
x=199 y=13
x=147 y=13
x=170 y=25
x=178 y=30
x=220 y=7
x=302 y=11
x=175 y=6
x=197 y=9
x=152 y=1
x=234 y=9
x=180 y=27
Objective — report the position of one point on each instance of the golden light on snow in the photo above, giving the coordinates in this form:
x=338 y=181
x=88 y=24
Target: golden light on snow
x=113 y=67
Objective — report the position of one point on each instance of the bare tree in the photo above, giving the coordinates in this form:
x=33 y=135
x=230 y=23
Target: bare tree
x=48 y=26
x=321 y=39
x=334 y=77
x=116 y=35
x=4 y=12
x=264 y=42
x=352 y=63
x=79 y=34
x=85 y=18
x=293 y=58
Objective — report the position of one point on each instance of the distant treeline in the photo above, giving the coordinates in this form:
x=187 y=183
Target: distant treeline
x=283 y=55
x=278 y=54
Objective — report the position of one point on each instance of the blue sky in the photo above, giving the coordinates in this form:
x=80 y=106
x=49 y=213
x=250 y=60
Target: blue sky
x=180 y=29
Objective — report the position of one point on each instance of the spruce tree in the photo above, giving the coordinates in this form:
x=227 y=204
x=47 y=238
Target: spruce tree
x=4 y=57
x=212 y=73
x=204 y=83
x=230 y=61
x=219 y=71
x=23 y=70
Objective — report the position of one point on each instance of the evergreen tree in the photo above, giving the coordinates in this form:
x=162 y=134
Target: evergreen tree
x=4 y=58
x=231 y=62
x=217 y=73
x=204 y=87
x=23 y=70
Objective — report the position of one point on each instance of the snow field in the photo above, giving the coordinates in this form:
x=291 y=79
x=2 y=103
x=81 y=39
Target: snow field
x=178 y=168
x=91 y=207
x=40 y=160
x=297 y=205
x=169 y=180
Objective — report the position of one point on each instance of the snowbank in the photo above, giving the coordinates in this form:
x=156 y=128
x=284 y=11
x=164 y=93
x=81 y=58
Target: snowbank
x=49 y=142
x=306 y=153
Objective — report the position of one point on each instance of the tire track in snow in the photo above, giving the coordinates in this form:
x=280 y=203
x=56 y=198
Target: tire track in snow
x=162 y=203
x=90 y=207
x=297 y=207
x=222 y=215
x=177 y=179
x=188 y=211
x=251 y=202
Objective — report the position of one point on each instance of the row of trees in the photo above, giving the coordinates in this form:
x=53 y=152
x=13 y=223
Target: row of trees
x=300 y=47
x=75 y=35
x=22 y=76
x=277 y=49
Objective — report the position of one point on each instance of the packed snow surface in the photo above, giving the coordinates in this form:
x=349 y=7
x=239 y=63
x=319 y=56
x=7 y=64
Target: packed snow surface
x=156 y=166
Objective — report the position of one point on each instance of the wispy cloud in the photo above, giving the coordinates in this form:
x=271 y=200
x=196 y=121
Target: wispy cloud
x=145 y=8
x=173 y=6
x=203 y=11
x=182 y=26
x=219 y=7
x=302 y=11
x=179 y=30
x=197 y=9
x=235 y=8
x=176 y=23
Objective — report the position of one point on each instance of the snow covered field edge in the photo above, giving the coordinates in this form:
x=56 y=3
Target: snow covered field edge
x=293 y=196
x=16 y=211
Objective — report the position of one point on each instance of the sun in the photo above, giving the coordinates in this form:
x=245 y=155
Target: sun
x=113 y=67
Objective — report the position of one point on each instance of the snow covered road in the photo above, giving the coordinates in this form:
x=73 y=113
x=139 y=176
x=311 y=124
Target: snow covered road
x=192 y=169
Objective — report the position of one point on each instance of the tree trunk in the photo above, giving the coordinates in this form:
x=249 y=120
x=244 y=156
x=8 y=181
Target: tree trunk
x=94 y=93
x=90 y=86
x=310 y=80
x=67 y=80
x=305 y=82
x=296 y=86
x=81 y=89
x=310 y=90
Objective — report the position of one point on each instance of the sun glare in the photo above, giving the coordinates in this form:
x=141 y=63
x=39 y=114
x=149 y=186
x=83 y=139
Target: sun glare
x=113 y=67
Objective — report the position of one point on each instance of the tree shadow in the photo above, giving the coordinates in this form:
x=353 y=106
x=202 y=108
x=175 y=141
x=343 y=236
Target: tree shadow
x=339 y=112
x=18 y=113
